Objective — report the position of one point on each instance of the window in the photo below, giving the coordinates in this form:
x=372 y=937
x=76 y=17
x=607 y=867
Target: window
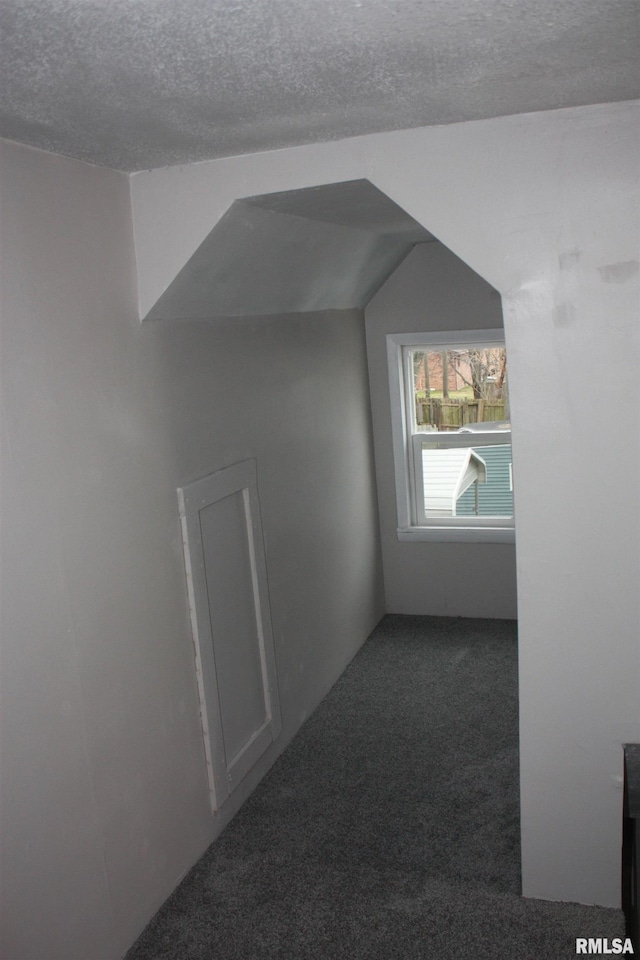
x=451 y=436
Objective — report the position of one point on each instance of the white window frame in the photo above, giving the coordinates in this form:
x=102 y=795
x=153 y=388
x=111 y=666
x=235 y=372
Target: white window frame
x=406 y=444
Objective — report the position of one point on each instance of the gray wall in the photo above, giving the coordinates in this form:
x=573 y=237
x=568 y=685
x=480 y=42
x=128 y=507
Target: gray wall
x=432 y=290
x=544 y=207
x=104 y=793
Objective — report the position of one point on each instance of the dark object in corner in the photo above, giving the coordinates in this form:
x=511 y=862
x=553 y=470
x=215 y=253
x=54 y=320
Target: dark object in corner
x=630 y=842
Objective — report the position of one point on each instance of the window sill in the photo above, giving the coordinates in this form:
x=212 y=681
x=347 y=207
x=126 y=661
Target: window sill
x=451 y=534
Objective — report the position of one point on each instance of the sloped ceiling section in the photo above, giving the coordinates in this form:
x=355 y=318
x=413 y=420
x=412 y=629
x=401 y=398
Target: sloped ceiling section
x=322 y=248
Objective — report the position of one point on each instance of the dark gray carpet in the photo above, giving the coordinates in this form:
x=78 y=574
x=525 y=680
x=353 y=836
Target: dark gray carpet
x=389 y=827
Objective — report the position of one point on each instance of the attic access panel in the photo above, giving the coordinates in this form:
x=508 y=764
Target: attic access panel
x=231 y=623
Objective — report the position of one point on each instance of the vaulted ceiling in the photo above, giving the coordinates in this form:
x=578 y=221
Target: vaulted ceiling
x=322 y=248
x=136 y=84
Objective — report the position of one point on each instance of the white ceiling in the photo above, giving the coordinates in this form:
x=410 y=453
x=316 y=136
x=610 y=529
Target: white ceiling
x=136 y=84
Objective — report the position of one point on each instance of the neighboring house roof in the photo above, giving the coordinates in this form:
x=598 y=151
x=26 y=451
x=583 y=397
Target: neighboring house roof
x=447 y=474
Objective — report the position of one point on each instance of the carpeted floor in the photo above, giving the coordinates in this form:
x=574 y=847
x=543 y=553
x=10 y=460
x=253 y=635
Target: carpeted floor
x=389 y=827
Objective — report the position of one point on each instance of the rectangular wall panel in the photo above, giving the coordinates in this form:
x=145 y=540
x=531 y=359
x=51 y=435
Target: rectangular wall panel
x=228 y=596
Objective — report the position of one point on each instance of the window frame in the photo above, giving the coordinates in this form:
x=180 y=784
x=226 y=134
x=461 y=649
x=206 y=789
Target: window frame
x=408 y=476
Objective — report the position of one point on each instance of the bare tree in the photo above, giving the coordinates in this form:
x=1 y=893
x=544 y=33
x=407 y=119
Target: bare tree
x=445 y=373
x=484 y=370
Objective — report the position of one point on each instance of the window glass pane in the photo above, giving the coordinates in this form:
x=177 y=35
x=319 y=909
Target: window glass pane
x=467 y=481
x=457 y=387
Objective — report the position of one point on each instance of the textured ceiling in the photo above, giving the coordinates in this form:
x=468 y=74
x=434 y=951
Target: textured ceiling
x=135 y=84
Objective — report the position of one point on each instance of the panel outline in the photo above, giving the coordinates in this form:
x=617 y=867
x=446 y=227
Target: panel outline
x=223 y=773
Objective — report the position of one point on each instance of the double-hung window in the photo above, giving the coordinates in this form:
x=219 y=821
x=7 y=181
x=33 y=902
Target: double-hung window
x=451 y=436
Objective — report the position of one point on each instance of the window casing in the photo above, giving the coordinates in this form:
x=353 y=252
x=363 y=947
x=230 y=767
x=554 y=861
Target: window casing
x=452 y=484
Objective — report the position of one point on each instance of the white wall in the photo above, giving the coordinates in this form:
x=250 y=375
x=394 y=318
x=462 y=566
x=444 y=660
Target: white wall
x=544 y=207
x=105 y=799
x=104 y=794
x=432 y=290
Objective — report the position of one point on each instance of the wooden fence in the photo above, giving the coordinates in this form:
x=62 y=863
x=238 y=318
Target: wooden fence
x=448 y=414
